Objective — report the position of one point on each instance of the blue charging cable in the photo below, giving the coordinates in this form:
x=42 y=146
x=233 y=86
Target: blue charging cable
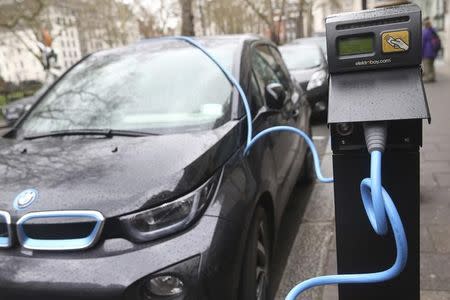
x=367 y=187
x=376 y=199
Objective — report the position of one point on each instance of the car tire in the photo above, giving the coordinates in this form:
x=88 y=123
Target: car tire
x=255 y=279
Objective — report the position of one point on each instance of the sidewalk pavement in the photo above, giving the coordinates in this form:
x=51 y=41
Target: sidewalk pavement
x=434 y=220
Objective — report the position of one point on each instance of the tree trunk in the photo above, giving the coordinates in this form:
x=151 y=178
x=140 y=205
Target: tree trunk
x=309 y=27
x=300 y=30
x=201 y=11
x=281 y=23
x=187 y=18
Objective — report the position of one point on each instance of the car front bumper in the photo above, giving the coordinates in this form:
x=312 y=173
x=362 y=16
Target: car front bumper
x=118 y=269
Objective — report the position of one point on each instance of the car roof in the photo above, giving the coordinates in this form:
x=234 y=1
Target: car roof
x=206 y=41
x=314 y=46
x=301 y=45
x=308 y=39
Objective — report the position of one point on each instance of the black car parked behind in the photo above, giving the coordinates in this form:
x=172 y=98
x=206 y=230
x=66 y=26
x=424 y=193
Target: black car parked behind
x=308 y=65
x=130 y=182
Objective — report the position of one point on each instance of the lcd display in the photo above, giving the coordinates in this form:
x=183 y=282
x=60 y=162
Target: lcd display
x=356 y=45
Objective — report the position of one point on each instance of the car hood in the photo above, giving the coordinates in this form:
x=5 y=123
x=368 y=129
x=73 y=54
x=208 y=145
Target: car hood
x=112 y=175
x=304 y=75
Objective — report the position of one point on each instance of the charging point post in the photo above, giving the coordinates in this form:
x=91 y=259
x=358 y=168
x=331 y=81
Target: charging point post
x=375 y=76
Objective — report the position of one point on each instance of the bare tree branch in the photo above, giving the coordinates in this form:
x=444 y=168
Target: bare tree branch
x=9 y=21
x=262 y=16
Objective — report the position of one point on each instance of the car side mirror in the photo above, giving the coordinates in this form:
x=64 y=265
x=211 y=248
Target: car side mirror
x=275 y=95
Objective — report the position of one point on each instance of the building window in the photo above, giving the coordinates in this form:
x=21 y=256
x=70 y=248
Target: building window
x=62 y=43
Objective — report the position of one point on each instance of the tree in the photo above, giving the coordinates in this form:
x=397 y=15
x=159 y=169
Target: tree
x=187 y=18
x=271 y=12
x=154 y=20
x=22 y=24
x=300 y=30
x=111 y=18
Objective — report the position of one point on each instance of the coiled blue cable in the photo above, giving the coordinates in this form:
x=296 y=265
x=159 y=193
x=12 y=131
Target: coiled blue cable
x=376 y=199
x=368 y=185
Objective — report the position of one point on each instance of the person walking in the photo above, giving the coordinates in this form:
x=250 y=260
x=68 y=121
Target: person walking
x=431 y=44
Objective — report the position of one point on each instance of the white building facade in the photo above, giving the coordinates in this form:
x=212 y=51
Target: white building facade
x=66 y=21
x=17 y=63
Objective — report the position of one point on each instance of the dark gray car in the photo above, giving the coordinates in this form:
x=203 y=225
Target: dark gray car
x=127 y=179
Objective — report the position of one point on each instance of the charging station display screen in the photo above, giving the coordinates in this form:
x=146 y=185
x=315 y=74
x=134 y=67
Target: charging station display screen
x=356 y=45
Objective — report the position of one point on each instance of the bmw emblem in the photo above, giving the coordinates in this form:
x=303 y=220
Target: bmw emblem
x=25 y=198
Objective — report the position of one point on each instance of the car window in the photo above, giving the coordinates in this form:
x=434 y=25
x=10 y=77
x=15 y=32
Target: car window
x=268 y=55
x=282 y=69
x=256 y=98
x=263 y=71
x=160 y=88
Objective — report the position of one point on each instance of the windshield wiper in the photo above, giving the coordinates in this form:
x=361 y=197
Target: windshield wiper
x=105 y=132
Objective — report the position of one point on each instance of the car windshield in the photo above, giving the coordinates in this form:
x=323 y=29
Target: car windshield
x=301 y=57
x=155 y=86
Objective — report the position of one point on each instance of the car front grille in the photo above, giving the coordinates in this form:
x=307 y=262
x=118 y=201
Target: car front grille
x=60 y=230
x=5 y=230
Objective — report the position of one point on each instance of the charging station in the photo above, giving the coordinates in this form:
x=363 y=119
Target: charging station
x=374 y=60
x=376 y=106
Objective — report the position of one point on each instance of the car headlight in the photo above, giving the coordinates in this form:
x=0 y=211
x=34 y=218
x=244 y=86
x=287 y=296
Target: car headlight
x=169 y=217
x=317 y=79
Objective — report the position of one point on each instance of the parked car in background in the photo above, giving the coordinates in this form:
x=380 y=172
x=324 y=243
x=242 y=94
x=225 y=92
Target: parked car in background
x=320 y=41
x=307 y=64
x=129 y=178
x=14 y=110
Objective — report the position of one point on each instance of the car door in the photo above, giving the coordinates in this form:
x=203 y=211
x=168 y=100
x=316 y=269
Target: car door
x=299 y=116
x=267 y=70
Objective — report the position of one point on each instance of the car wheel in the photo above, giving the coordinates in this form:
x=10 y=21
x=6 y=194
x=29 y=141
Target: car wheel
x=255 y=271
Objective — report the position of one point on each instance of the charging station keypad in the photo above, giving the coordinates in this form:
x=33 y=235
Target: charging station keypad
x=383 y=38
x=395 y=41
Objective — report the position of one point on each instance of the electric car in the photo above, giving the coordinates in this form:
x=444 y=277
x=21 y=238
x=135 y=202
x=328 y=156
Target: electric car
x=309 y=67
x=128 y=178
